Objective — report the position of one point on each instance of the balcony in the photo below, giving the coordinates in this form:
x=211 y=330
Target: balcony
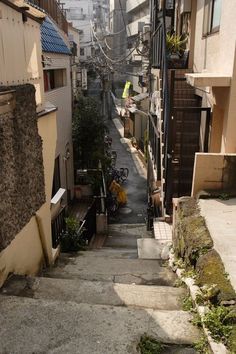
x=131 y=5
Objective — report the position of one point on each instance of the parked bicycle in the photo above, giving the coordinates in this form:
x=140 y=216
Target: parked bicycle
x=112 y=155
x=119 y=175
x=107 y=141
x=116 y=197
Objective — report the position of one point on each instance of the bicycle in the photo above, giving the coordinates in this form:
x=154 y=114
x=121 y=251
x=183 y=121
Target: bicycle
x=112 y=204
x=119 y=175
x=112 y=155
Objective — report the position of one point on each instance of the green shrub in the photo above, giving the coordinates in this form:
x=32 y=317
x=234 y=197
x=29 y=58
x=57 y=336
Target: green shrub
x=218 y=320
x=72 y=238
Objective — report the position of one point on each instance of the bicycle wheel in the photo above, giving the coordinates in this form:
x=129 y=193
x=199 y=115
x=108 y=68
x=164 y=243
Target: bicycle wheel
x=124 y=172
x=113 y=207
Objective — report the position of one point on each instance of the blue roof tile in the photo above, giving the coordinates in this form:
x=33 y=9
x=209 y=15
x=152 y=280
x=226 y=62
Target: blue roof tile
x=51 y=39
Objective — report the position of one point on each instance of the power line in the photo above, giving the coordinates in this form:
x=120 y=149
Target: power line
x=106 y=56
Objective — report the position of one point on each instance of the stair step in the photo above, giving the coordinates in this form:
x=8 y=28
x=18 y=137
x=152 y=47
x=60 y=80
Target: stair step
x=185 y=102
x=49 y=326
x=95 y=292
x=108 y=267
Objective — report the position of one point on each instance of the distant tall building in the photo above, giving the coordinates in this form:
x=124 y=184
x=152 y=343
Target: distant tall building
x=80 y=13
x=118 y=24
x=101 y=15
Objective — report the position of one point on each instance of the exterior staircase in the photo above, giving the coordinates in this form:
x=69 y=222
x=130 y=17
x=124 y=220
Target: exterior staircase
x=97 y=301
x=184 y=134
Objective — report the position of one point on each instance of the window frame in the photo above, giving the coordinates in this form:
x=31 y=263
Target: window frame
x=54 y=79
x=208 y=28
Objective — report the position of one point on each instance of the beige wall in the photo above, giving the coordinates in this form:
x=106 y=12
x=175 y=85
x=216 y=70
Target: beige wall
x=216 y=54
x=32 y=247
x=20 y=52
x=61 y=98
x=213 y=172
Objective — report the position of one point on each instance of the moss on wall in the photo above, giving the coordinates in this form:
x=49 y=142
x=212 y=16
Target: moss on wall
x=210 y=270
x=191 y=236
x=22 y=190
x=193 y=244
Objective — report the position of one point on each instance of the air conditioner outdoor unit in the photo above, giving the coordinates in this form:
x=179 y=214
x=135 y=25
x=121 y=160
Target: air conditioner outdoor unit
x=140 y=26
x=146 y=33
x=185 y=6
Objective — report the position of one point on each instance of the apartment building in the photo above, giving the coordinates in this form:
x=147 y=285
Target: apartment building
x=58 y=90
x=138 y=23
x=28 y=143
x=80 y=13
x=191 y=120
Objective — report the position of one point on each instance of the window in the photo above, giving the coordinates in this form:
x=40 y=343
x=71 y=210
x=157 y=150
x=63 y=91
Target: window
x=81 y=51
x=56 y=177
x=54 y=79
x=212 y=14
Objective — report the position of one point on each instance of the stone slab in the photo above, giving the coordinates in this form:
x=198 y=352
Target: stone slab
x=95 y=292
x=45 y=326
x=119 y=270
x=149 y=248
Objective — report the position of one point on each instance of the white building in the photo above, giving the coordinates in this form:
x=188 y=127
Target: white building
x=80 y=13
x=138 y=20
x=57 y=85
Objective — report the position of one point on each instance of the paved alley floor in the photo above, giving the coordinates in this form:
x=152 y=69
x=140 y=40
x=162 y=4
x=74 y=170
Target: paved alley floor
x=98 y=301
x=136 y=184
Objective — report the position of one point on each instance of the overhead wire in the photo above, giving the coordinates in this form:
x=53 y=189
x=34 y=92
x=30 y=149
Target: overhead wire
x=105 y=55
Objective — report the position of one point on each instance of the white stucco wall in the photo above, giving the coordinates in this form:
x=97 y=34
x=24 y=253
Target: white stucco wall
x=80 y=23
x=215 y=53
x=61 y=98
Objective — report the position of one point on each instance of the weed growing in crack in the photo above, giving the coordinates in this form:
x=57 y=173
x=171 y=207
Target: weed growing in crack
x=201 y=346
x=149 y=345
x=187 y=304
x=218 y=320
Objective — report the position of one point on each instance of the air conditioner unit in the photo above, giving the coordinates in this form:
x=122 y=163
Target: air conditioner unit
x=185 y=6
x=140 y=26
x=146 y=33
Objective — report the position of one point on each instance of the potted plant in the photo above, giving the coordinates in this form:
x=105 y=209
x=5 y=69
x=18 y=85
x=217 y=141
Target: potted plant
x=72 y=239
x=177 y=54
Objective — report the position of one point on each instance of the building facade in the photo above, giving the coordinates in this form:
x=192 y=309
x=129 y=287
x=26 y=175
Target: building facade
x=58 y=91
x=28 y=143
x=191 y=116
x=80 y=13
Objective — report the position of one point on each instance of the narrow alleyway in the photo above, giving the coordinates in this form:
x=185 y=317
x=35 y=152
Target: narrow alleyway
x=136 y=184
x=99 y=301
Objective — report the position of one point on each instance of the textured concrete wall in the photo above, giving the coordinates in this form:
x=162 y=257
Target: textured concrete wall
x=22 y=190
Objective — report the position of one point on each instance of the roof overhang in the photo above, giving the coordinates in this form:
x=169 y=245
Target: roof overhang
x=208 y=79
x=22 y=6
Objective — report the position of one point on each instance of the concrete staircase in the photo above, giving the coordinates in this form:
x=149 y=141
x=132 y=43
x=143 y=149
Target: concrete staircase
x=98 y=301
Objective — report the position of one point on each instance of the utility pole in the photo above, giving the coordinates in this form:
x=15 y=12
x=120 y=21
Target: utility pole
x=106 y=98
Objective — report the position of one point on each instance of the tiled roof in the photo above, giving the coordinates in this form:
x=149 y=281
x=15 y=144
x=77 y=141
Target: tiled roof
x=51 y=39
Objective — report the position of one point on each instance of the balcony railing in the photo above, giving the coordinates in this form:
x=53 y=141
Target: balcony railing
x=53 y=9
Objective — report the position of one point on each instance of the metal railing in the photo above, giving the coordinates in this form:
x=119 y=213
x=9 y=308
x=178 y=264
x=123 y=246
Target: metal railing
x=58 y=226
x=53 y=9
